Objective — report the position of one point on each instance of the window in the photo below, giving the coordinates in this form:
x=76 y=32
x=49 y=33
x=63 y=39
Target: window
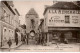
x=49 y=20
x=49 y=11
x=75 y=19
x=9 y=30
x=4 y=15
x=67 y=19
x=12 y=31
x=4 y=30
x=51 y=17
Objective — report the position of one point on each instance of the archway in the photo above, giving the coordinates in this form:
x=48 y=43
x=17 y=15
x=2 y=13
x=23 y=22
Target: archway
x=31 y=38
x=32 y=33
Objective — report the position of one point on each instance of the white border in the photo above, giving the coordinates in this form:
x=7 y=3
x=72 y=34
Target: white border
x=39 y=0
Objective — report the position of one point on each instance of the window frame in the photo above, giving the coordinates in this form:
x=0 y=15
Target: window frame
x=67 y=18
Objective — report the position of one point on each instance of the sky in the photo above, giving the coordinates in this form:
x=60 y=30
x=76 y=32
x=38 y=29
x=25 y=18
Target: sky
x=24 y=6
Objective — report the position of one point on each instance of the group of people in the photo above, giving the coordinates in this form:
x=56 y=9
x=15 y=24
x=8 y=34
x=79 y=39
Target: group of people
x=37 y=38
x=40 y=39
x=24 y=38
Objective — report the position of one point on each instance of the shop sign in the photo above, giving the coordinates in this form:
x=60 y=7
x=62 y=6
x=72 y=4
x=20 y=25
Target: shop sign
x=64 y=11
x=56 y=19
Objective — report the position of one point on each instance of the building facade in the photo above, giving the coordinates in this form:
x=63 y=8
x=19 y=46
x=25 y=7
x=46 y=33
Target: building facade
x=62 y=18
x=32 y=20
x=7 y=21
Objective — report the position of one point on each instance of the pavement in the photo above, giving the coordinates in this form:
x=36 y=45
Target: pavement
x=12 y=46
x=49 y=48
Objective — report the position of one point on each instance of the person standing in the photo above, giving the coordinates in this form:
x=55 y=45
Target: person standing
x=27 y=39
x=9 y=43
x=16 y=38
x=62 y=38
x=21 y=37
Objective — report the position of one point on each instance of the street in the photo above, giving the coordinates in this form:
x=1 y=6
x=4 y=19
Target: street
x=53 y=47
x=42 y=26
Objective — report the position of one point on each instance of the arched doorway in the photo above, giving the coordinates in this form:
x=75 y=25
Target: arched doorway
x=32 y=33
x=31 y=38
x=5 y=37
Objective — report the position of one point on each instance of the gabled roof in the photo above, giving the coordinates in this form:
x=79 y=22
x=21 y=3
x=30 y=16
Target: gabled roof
x=63 y=5
x=6 y=3
x=17 y=12
x=32 y=12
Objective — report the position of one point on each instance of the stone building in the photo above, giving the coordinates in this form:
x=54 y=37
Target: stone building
x=32 y=20
x=62 y=18
x=8 y=21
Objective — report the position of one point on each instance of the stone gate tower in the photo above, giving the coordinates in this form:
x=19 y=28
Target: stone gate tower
x=32 y=21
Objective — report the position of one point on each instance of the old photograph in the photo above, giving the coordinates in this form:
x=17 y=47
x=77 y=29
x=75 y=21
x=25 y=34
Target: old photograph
x=39 y=26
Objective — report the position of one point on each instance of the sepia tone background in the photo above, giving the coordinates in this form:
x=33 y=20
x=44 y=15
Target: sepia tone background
x=40 y=26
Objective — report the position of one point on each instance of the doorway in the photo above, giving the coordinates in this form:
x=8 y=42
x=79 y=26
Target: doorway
x=31 y=38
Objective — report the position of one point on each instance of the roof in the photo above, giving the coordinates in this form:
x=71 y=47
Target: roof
x=17 y=12
x=63 y=5
x=66 y=5
x=32 y=12
x=5 y=2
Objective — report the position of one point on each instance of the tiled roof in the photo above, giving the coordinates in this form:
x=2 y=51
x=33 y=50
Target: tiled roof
x=63 y=5
x=32 y=12
x=6 y=3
